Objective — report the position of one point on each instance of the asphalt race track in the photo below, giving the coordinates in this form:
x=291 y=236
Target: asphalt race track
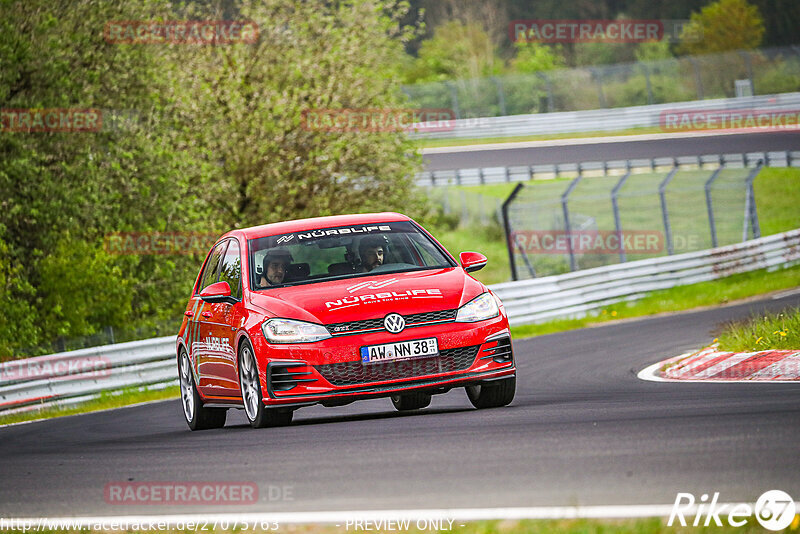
x=582 y=430
x=473 y=156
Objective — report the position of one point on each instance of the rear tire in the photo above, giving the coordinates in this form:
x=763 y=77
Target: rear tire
x=492 y=394
x=411 y=401
x=197 y=417
x=259 y=415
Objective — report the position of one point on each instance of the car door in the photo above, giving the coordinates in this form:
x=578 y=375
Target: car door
x=201 y=342
x=225 y=320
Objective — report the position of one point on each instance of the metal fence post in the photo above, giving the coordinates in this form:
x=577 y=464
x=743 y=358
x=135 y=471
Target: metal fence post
x=662 y=189
x=615 y=207
x=750 y=213
x=601 y=98
x=501 y=99
x=507 y=227
x=548 y=84
x=464 y=209
x=749 y=65
x=711 y=222
x=454 y=98
x=650 y=98
x=565 y=209
x=697 y=79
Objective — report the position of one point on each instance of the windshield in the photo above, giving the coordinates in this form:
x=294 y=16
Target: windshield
x=342 y=252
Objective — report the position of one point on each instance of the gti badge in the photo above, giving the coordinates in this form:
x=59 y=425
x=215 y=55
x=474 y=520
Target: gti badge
x=394 y=323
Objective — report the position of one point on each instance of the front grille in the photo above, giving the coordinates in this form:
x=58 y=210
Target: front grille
x=414 y=319
x=349 y=373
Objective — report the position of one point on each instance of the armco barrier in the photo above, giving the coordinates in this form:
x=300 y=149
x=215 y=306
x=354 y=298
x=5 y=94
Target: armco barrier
x=46 y=380
x=595 y=120
x=85 y=373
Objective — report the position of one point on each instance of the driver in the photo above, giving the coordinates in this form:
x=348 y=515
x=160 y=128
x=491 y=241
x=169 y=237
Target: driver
x=276 y=263
x=371 y=250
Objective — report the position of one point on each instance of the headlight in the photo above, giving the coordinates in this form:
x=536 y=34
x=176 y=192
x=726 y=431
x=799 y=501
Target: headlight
x=478 y=309
x=291 y=331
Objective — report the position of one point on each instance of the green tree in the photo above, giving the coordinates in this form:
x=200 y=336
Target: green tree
x=456 y=51
x=535 y=57
x=212 y=138
x=82 y=288
x=241 y=111
x=653 y=51
x=722 y=26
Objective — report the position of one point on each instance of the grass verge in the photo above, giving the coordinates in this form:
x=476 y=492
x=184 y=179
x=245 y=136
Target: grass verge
x=715 y=292
x=771 y=331
x=435 y=143
x=106 y=401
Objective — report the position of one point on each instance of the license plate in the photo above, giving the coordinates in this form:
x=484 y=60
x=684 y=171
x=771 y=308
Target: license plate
x=402 y=350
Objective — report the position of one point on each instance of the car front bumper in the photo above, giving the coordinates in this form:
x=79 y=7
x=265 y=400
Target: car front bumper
x=330 y=372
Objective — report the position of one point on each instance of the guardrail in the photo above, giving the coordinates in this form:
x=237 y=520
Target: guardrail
x=84 y=374
x=595 y=120
x=578 y=293
x=524 y=173
x=75 y=376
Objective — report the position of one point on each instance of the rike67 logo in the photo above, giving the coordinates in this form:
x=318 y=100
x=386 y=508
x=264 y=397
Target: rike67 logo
x=774 y=510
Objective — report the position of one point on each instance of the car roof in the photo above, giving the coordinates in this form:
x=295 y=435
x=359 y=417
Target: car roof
x=300 y=225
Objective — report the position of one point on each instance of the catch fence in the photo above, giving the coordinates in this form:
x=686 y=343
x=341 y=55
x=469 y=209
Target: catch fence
x=571 y=224
x=725 y=75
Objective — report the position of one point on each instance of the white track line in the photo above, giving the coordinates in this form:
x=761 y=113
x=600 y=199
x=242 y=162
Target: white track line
x=580 y=141
x=340 y=518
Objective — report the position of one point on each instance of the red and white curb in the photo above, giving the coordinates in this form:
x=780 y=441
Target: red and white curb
x=713 y=365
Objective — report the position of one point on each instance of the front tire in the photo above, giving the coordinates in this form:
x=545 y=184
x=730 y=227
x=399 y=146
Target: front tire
x=197 y=417
x=492 y=394
x=411 y=401
x=258 y=415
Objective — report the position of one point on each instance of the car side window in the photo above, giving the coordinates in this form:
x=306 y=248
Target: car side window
x=211 y=271
x=232 y=269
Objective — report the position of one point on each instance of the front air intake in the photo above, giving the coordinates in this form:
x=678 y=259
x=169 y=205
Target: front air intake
x=500 y=353
x=283 y=376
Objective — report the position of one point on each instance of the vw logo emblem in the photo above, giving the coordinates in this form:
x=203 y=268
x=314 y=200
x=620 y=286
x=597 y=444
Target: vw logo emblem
x=394 y=323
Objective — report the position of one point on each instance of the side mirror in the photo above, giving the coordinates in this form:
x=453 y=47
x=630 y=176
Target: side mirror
x=219 y=292
x=472 y=261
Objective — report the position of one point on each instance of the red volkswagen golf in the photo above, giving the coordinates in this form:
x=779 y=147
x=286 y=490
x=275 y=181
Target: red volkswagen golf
x=336 y=309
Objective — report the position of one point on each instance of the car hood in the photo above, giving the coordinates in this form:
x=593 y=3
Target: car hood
x=369 y=297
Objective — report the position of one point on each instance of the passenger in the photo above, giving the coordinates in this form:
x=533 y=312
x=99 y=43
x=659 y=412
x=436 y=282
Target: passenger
x=371 y=251
x=276 y=263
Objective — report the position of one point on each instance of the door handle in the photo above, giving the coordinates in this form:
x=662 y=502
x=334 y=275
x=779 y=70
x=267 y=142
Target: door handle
x=206 y=314
x=188 y=313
